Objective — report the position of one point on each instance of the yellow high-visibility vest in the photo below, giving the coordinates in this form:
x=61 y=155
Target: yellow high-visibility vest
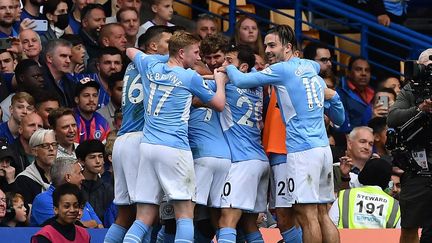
x=367 y=207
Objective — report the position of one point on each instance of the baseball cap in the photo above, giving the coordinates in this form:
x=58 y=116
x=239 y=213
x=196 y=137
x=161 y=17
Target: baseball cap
x=84 y=83
x=6 y=151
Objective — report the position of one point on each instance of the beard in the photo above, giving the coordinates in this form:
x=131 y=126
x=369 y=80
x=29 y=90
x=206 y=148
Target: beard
x=6 y=24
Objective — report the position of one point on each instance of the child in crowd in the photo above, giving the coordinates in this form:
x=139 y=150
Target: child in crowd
x=163 y=12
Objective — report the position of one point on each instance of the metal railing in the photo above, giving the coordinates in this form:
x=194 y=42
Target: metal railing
x=344 y=15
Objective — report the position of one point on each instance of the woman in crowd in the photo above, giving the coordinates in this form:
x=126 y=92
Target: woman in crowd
x=68 y=200
x=56 y=12
x=248 y=33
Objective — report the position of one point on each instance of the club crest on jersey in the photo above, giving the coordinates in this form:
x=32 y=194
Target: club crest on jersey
x=97 y=134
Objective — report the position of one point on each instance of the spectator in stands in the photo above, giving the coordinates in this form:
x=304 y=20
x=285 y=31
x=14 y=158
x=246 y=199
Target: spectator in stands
x=135 y=4
x=31 y=44
x=385 y=213
x=78 y=53
x=384 y=98
x=75 y=14
x=118 y=118
x=29 y=124
x=67 y=200
x=129 y=19
x=36 y=177
x=56 y=12
x=115 y=87
x=109 y=62
x=7 y=17
x=29 y=78
x=395 y=186
x=113 y=35
x=91 y=154
x=247 y=33
x=7 y=171
x=45 y=103
x=392 y=83
x=212 y=50
x=22 y=103
x=91 y=124
x=31 y=9
x=64 y=171
x=379 y=127
x=356 y=95
x=16 y=212
x=206 y=24
x=92 y=20
x=163 y=12
x=359 y=151
x=57 y=58
x=156 y=41
x=63 y=123
x=2 y=205
x=321 y=54
x=7 y=61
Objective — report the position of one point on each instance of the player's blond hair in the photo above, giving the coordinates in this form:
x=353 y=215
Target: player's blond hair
x=180 y=40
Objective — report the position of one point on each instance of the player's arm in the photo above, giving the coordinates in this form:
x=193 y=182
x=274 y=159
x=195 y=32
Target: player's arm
x=269 y=75
x=218 y=100
x=132 y=52
x=333 y=107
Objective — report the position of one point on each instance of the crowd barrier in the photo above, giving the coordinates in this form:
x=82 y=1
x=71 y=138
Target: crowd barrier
x=22 y=235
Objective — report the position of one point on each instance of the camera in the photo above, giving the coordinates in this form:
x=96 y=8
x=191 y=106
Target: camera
x=420 y=78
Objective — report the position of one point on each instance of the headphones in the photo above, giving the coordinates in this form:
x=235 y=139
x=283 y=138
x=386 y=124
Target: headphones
x=10 y=210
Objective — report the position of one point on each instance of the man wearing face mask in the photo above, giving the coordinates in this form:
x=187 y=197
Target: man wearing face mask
x=55 y=12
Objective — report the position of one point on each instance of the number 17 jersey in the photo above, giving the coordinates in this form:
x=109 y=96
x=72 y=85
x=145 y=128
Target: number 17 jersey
x=169 y=91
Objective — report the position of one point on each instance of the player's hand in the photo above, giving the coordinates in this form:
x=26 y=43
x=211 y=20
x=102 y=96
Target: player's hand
x=383 y=19
x=328 y=93
x=379 y=110
x=221 y=69
x=219 y=75
x=426 y=106
x=345 y=165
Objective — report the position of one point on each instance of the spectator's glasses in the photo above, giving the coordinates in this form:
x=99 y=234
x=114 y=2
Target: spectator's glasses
x=324 y=59
x=54 y=145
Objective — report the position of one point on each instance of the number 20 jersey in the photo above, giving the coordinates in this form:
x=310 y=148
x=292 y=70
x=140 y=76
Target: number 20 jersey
x=241 y=121
x=169 y=91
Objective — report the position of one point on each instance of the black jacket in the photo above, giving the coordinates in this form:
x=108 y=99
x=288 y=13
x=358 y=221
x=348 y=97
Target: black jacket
x=65 y=93
x=99 y=194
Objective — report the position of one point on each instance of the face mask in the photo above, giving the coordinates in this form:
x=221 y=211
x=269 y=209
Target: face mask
x=62 y=21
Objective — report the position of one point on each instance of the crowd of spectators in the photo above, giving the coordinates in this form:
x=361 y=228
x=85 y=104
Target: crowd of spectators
x=61 y=97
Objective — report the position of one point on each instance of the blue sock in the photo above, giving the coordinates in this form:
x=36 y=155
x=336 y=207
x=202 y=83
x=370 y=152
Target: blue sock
x=254 y=237
x=115 y=234
x=148 y=236
x=185 y=230
x=227 y=235
x=292 y=235
x=136 y=232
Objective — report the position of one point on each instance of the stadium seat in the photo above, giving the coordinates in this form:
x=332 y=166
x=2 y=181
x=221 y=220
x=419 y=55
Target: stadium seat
x=183 y=10
x=223 y=10
x=348 y=46
x=278 y=18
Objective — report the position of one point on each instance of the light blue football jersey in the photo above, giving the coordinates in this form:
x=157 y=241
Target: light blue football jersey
x=169 y=91
x=206 y=138
x=300 y=93
x=132 y=101
x=241 y=121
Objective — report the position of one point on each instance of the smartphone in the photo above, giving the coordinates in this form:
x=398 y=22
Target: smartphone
x=5 y=43
x=40 y=25
x=384 y=100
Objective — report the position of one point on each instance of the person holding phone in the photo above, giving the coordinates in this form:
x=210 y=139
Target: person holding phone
x=384 y=98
